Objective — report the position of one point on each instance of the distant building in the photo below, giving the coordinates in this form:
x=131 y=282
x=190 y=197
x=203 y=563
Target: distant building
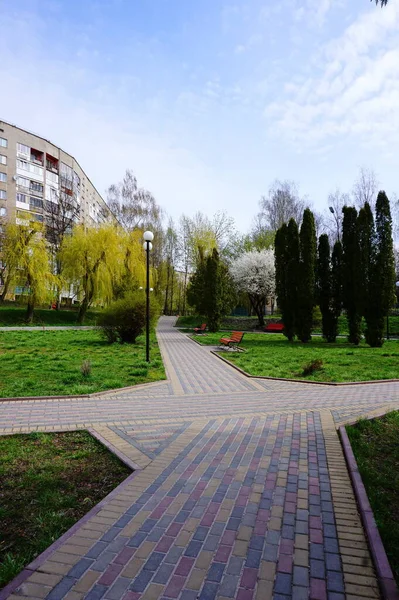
x=36 y=176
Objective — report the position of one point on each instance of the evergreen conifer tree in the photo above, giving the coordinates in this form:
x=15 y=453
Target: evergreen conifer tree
x=381 y=274
x=350 y=273
x=292 y=273
x=280 y=260
x=306 y=279
x=336 y=285
x=324 y=289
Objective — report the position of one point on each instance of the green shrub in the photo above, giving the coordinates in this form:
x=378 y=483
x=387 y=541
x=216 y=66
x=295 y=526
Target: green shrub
x=85 y=368
x=124 y=320
x=314 y=365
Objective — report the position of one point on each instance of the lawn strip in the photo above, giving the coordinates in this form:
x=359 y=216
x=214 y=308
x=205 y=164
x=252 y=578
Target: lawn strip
x=47 y=483
x=49 y=363
x=271 y=355
x=15 y=316
x=375 y=444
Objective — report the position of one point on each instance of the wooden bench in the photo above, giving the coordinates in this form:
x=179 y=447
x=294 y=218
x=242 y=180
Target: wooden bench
x=274 y=328
x=233 y=341
x=200 y=329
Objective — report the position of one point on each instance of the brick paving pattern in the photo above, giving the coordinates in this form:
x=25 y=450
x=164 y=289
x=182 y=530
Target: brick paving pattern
x=240 y=488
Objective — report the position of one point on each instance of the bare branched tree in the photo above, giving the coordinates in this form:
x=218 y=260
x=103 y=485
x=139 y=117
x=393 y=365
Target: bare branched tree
x=382 y=2
x=320 y=223
x=333 y=219
x=134 y=207
x=365 y=188
x=282 y=204
x=62 y=211
x=61 y=214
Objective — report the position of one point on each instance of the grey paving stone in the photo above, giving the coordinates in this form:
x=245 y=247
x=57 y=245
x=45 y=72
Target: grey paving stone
x=229 y=586
x=282 y=584
x=235 y=565
x=301 y=576
x=335 y=582
x=117 y=591
x=163 y=574
x=300 y=593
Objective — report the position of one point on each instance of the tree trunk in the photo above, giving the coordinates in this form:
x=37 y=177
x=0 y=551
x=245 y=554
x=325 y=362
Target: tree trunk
x=5 y=290
x=257 y=305
x=29 y=311
x=166 y=306
x=171 y=294
x=185 y=292
x=83 y=310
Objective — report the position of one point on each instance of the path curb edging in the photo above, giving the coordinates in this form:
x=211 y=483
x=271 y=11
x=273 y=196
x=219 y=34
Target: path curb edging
x=85 y=396
x=384 y=572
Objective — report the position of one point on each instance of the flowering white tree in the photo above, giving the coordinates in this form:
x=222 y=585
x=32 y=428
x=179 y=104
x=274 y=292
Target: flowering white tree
x=254 y=274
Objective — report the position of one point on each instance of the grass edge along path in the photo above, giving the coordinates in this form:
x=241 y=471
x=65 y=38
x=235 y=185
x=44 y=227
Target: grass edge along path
x=48 y=481
x=271 y=355
x=15 y=316
x=375 y=444
x=49 y=363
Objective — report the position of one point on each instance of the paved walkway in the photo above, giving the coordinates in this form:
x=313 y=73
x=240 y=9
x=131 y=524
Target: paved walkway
x=240 y=488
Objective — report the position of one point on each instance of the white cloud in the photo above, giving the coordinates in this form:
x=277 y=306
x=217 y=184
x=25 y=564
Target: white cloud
x=356 y=93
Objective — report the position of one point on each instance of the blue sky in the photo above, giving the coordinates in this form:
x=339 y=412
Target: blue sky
x=209 y=101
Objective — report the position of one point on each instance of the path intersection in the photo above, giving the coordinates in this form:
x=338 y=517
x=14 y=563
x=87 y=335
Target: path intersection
x=239 y=490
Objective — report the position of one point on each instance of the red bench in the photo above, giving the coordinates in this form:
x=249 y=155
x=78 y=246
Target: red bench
x=200 y=329
x=233 y=341
x=274 y=328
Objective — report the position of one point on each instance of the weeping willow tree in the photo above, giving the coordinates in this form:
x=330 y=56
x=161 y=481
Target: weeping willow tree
x=27 y=264
x=93 y=260
x=10 y=242
x=132 y=273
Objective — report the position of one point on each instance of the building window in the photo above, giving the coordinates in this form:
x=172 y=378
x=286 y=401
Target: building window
x=3 y=159
x=22 y=198
x=22 y=164
x=3 y=142
x=3 y=212
x=36 y=187
x=22 y=149
x=3 y=195
x=36 y=202
x=51 y=176
x=3 y=177
x=66 y=171
x=23 y=182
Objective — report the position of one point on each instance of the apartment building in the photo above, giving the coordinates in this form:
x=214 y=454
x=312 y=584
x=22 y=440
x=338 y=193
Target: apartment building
x=36 y=175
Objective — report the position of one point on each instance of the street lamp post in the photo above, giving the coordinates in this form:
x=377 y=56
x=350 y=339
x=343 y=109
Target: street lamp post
x=336 y=218
x=148 y=237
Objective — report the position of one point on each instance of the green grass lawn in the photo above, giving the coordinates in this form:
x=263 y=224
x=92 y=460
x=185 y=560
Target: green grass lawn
x=273 y=356
x=376 y=447
x=47 y=483
x=48 y=363
x=16 y=316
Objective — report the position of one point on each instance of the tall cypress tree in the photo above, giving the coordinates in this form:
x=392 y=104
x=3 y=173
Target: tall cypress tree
x=381 y=274
x=365 y=265
x=336 y=284
x=280 y=260
x=325 y=290
x=306 y=279
x=350 y=273
x=292 y=272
